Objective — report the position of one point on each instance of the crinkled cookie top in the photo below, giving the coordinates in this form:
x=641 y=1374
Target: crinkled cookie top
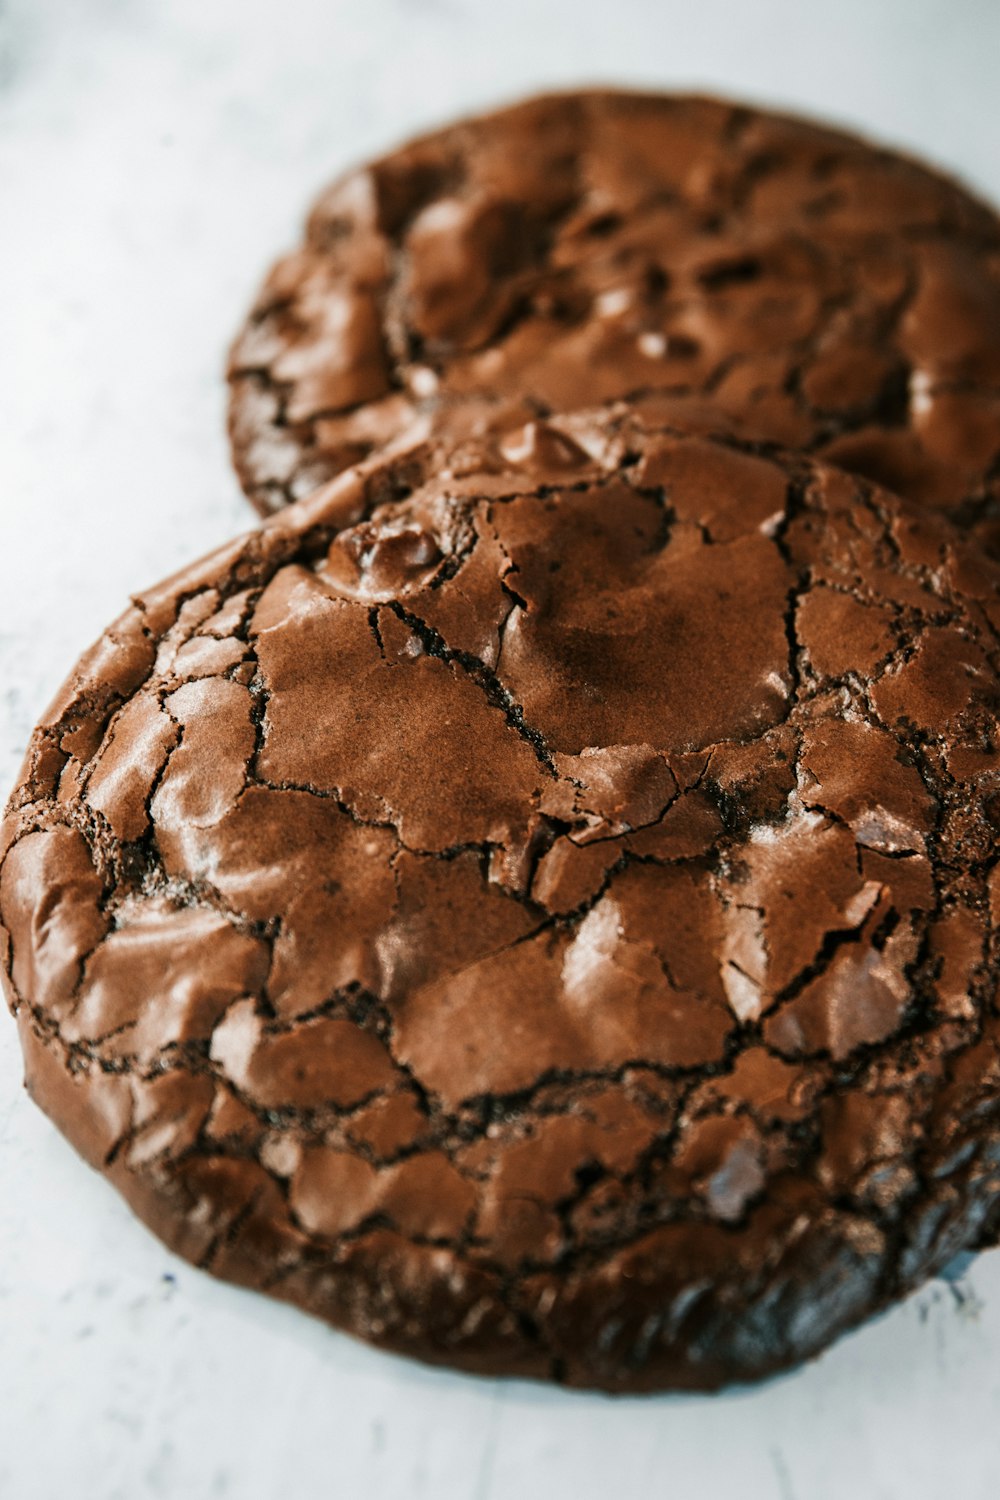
x=532 y=903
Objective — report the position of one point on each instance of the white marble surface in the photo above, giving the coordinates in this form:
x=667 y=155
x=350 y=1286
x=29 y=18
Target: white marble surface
x=153 y=155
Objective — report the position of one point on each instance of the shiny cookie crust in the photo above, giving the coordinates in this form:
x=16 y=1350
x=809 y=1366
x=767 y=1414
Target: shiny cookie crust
x=531 y=904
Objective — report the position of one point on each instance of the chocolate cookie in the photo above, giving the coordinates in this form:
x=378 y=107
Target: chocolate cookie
x=536 y=912
x=590 y=247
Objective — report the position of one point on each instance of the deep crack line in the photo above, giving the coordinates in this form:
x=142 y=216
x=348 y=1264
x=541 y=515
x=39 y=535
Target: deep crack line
x=485 y=678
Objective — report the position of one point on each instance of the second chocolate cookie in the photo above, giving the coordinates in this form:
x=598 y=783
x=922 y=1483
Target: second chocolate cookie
x=818 y=291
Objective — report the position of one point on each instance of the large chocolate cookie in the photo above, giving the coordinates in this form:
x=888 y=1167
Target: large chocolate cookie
x=536 y=913
x=588 y=247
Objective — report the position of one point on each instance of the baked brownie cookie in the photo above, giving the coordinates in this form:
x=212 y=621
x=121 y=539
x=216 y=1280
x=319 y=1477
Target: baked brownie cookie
x=535 y=913
x=587 y=247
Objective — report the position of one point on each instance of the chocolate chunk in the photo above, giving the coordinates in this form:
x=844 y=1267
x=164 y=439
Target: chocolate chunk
x=535 y=915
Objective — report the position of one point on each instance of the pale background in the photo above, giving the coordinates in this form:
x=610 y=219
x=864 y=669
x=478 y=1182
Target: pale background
x=154 y=154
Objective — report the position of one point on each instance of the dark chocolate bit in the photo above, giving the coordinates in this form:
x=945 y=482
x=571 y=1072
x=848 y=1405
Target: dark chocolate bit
x=540 y=923
x=733 y=266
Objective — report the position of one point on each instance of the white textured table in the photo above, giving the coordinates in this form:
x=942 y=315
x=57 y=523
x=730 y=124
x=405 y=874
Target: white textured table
x=153 y=155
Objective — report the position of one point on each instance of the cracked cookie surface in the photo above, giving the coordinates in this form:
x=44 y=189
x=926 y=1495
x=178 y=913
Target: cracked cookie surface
x=533 y=907
x=801 y=284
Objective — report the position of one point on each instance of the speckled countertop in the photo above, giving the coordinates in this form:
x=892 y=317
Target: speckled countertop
x=153 y=155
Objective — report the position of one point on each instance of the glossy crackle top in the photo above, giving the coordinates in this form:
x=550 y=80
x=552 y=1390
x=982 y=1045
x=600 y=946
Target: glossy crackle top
x=807 y=286
x=526 y=872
